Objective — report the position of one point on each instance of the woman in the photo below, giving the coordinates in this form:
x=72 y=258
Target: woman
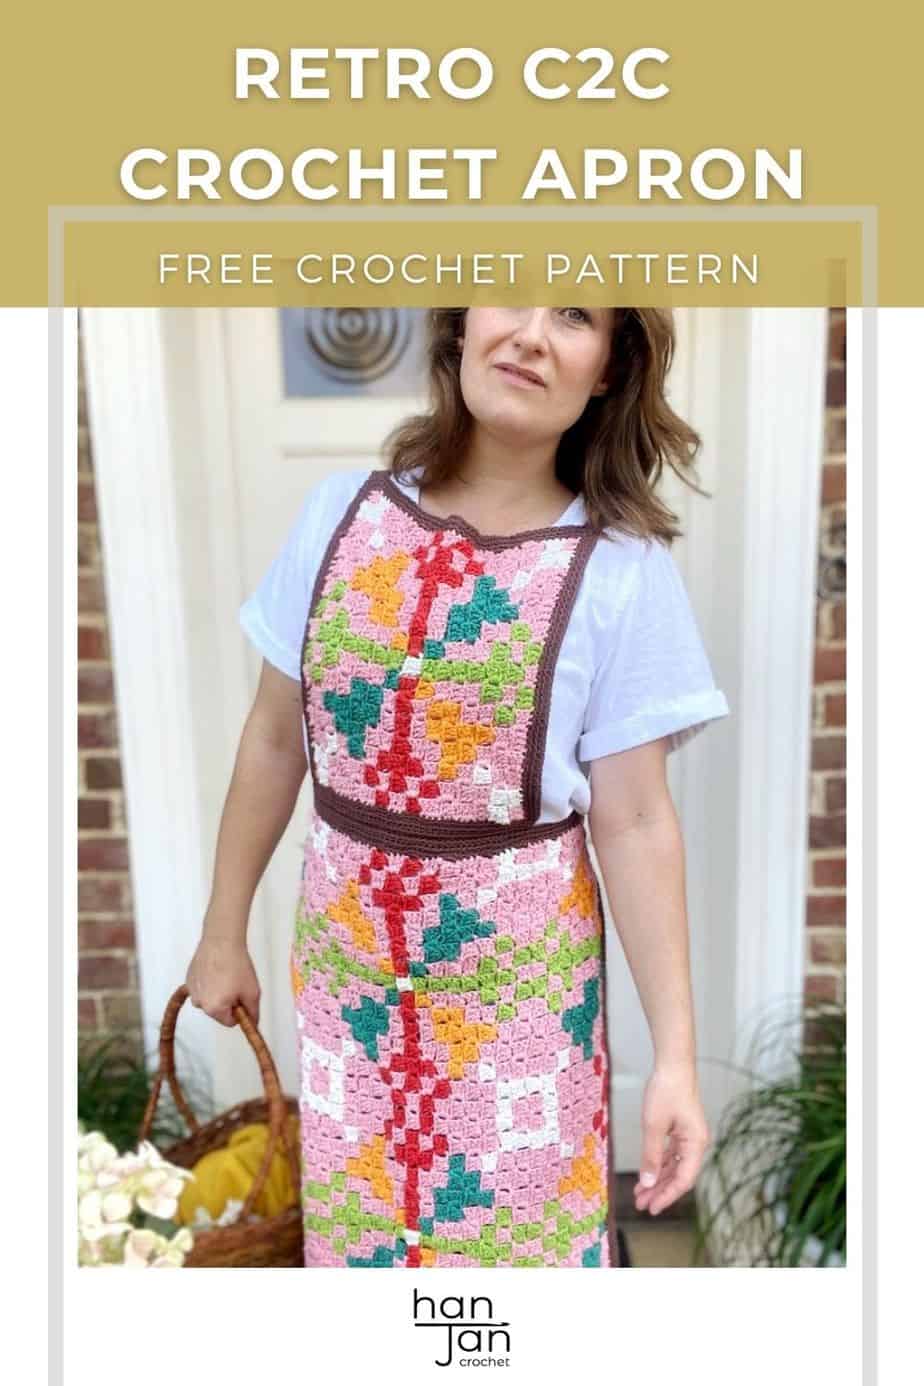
x=474 y=650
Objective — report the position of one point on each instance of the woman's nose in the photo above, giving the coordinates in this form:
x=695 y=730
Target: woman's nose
x=531 y=329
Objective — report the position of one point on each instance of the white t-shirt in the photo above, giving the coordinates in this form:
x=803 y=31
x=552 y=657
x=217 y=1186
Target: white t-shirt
x=631 y=667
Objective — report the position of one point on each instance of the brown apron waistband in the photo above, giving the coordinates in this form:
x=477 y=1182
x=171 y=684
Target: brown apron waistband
x=409 y=833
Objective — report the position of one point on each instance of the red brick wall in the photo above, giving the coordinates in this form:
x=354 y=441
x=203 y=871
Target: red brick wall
x=107 y=965
x=826 y=899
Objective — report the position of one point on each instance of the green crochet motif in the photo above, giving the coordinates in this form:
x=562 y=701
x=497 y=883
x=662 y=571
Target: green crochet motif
x=334 y=635
x=487 y=981
x=332 y=960
x=496 y=980
x=497 y=1240
x=336 y=594
x=500 y=673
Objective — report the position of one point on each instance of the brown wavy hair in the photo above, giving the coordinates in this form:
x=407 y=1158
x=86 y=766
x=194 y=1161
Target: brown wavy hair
x=615 y=453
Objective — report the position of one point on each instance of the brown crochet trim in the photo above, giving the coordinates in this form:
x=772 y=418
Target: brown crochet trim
x=539 y=722
x=442 y=837
x=457 y=525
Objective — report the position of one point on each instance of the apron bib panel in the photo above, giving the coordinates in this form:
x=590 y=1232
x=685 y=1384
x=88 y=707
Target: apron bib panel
x=429 y=653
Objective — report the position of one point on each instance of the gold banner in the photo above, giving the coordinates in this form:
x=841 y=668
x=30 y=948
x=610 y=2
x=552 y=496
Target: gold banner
x=403 y=130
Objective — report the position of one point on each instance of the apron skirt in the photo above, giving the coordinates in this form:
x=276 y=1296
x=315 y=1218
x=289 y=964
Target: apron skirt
x=454 y=1073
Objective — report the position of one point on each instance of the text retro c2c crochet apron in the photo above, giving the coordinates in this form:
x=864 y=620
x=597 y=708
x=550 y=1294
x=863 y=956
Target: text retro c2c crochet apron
x=448 y=954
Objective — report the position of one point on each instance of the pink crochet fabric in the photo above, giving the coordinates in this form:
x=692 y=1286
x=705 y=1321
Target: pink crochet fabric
x=447 y=962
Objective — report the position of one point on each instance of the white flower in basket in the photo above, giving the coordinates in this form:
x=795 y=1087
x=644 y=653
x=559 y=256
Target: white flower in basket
x=113 y=1191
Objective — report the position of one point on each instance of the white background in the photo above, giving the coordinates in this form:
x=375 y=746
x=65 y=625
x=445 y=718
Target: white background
x=745 y=1326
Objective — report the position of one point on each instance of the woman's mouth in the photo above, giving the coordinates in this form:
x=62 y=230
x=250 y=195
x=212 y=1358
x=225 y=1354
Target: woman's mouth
x=519 y=375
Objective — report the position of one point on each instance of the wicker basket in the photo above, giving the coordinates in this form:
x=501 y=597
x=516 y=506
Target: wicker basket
x=276 y=1241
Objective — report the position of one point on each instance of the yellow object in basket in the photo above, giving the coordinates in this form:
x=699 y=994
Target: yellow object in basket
x=228 y=1173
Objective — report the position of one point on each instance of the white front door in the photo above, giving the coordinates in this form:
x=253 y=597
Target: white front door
x=235 y=458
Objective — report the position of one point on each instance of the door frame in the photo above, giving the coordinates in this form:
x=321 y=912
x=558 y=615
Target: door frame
x=143 y=454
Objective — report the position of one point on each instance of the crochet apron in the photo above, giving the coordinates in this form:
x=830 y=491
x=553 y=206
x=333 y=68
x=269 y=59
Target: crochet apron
x=447 y=963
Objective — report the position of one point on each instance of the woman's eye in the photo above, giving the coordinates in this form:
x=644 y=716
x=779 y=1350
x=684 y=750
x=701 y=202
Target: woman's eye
x=582 y=314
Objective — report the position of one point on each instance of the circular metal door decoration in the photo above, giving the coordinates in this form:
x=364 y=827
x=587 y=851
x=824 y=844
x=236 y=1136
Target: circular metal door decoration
x=356 y=344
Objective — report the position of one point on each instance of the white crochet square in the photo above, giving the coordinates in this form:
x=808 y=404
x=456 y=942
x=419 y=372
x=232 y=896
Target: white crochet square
x=556 y=553
x=503 y=800
x=315 y=1055
x=373 y=509
x=508 y=1091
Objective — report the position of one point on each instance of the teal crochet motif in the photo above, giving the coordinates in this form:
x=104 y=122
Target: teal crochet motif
x=382 y=1256
x=579 y=1020
x=443 y=942
x=367 y=1021
x=355 y=711
x=462 y=1191
x=489 y=603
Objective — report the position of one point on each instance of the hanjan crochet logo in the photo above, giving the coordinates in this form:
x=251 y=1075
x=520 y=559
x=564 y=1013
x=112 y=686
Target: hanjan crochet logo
x=472 y=1337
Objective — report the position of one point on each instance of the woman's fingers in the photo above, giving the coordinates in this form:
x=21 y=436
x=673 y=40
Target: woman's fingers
x=644 y=1193
x=676 y=1177
x=672 y=1115
x=679 y=1176
x=251 y=1004
x=655 y=1134
x=220 y=976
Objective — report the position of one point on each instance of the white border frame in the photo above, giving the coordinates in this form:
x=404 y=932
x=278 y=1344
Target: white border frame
x=785 y=457
x=135 y=471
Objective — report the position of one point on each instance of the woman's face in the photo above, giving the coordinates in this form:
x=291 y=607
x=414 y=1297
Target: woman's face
x=527 y=373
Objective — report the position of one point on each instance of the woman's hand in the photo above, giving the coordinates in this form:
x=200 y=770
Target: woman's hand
x=672 y=1109
x=221 y=973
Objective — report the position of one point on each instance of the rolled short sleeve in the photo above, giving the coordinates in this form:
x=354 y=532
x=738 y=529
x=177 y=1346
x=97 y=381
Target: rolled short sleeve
x=274 y=615
x=653 y=678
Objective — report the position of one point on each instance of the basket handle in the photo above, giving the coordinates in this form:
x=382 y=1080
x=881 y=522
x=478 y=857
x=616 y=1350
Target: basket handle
x=278 y=1112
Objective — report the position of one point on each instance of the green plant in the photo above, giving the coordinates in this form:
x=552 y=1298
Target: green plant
x=776 y=1173
x=113 y=1087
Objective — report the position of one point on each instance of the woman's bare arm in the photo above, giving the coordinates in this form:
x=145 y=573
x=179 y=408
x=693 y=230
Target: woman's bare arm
x=268 y=772
x=639 y=845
